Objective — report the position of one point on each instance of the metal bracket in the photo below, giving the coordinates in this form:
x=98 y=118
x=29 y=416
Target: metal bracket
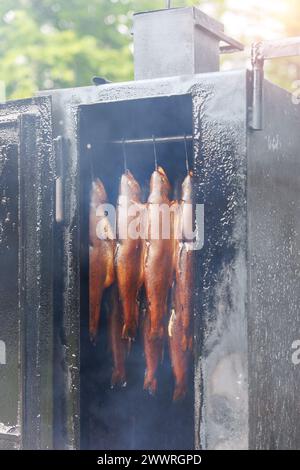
x=261 y=51
x=216 y=29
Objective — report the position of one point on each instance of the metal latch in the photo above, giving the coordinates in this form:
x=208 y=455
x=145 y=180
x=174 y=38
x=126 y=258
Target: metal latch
x=262 y=51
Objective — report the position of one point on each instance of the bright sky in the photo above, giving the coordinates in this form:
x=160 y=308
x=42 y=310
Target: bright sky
x=251 y=20
x=256 y=19
x=260 y=18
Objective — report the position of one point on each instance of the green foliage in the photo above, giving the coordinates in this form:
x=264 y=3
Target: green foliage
x=63 y=43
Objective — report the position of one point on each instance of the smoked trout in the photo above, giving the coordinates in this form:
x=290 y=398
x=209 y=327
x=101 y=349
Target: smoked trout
x=129 y=253
x=184 y=265
x=180 y=324
x=101 y=255
x=159 y=252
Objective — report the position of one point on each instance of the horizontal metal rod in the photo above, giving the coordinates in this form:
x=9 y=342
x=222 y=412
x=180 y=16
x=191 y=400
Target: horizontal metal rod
x=288 y=47
x=158 y=140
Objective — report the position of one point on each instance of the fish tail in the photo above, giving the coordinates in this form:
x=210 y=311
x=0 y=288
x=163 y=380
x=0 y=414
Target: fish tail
x=93 y=338
x=129 y=331
x=118 y=379
x=150 y=384
x=179 y=392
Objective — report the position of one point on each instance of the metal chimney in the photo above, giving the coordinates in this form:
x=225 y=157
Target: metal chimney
x=178 y=41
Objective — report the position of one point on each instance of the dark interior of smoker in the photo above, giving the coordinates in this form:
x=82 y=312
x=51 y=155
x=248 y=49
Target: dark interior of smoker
x=129 y=418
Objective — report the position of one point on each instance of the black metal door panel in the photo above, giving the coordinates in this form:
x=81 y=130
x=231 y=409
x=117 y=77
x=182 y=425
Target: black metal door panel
x=26 y=224
x=9 y=311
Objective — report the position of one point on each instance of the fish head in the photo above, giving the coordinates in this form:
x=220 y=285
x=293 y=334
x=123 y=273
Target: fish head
x=129 y=187
x=98 y=193
x=187 y=188
x=159 y=182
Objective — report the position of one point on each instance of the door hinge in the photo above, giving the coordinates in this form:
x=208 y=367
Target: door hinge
x=262 y=51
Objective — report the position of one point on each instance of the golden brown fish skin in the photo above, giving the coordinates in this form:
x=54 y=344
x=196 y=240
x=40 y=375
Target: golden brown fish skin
x=179 y=358
x=101 y=256
x=129 y=255
x=159 y=255
x=118 y=345
x=185 y=267
x=184 y=294
x=153 y=350
x=181 y=321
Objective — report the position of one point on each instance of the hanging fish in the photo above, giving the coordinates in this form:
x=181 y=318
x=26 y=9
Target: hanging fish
x=180 y=324
x=159 y=252
x=129 y=253
x=184 y=294
x=118 y=345
x=101 y=254
x=184 y=265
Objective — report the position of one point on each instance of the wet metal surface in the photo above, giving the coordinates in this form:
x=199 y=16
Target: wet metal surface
x=240 y=316
x=9 y=314
x=274 y=275
x=214 y=121
x=27 y=175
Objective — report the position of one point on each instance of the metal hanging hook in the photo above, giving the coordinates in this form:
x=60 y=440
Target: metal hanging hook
x=186 y=156
x=124 y=155
x=155 y=153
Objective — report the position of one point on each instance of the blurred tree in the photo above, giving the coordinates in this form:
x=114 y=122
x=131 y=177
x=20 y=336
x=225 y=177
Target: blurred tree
x=63 y=43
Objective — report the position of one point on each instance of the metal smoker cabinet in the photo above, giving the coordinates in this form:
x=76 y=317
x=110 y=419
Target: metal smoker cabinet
x=26 y=274
x=245 y=385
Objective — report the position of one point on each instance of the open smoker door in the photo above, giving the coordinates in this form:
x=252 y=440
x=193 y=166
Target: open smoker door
x=114 y=416
x=26 y=224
